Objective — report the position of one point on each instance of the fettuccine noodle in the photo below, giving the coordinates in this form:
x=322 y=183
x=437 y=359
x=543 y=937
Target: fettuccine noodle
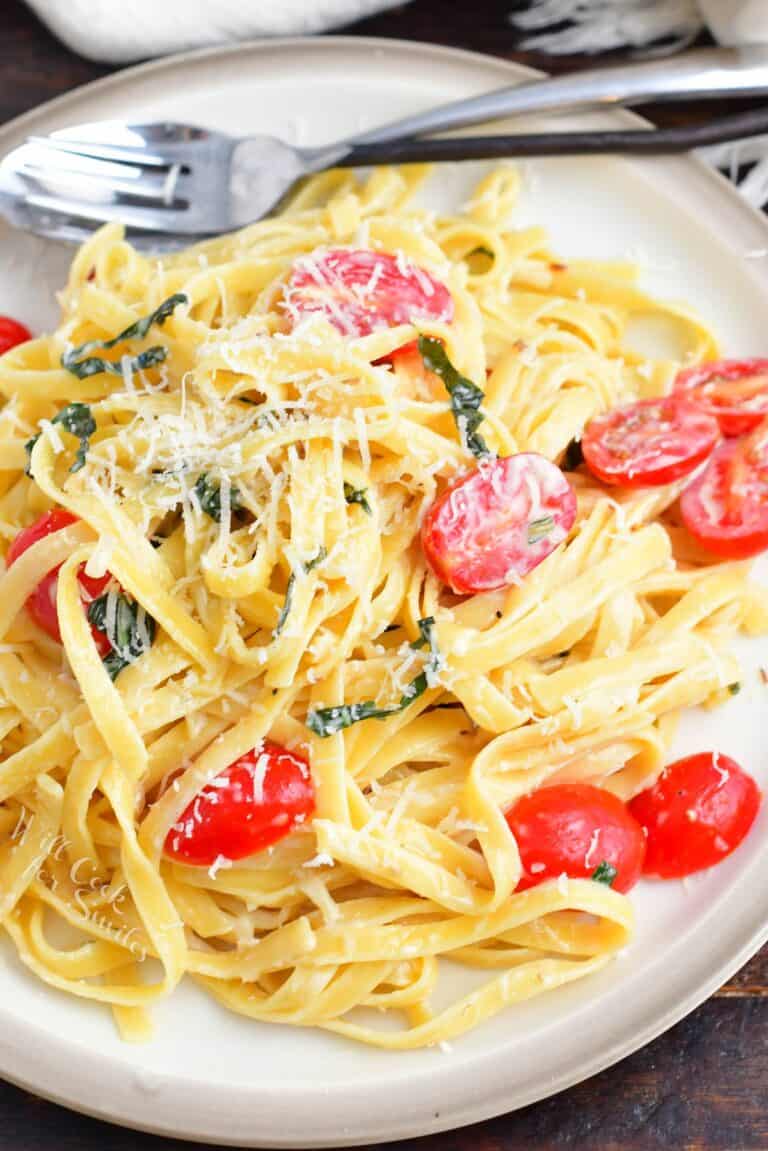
x=577 y=674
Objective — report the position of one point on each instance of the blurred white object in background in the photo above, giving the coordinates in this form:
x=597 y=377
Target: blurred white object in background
x=119 y=32
x=599 y=25
x=736 y=21
x=116 y=31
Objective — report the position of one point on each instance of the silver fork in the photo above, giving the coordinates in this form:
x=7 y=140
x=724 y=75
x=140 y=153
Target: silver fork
x=172 y=183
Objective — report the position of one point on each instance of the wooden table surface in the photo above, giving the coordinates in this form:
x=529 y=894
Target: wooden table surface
x=703 y=1085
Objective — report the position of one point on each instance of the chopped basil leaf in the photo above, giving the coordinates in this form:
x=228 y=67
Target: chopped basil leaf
x=28 y=449
x=466 y=397
x=309 y=566
x=357 y=496
x=734 y=688
x=208 y=492
x=605 y=873
x=325 y=721
x=76 y=419
x=94 y=365
x=426 y=632
x=427 y=638
x=114 y=664
x=573 y=457
x=127 y=626
x=82 y=364
x=285 y=609
x=540 y=528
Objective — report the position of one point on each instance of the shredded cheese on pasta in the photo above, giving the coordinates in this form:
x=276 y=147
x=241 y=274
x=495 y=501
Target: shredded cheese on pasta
x=575 y=674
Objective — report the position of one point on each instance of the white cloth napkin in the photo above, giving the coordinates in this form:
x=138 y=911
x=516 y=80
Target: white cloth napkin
x=736 y=21
x=122 y=30
x=568 y=26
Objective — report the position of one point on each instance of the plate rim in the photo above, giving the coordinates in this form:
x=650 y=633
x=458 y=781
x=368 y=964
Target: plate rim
x=80 y=1074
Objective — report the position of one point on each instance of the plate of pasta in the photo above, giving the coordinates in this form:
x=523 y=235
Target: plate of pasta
x=381 y=619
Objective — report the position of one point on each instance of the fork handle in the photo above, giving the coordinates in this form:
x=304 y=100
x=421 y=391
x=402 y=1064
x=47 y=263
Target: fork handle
x=709 y=73
x=634 y=141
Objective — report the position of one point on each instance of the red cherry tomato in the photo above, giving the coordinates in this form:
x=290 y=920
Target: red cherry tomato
x=495 y=525
x=52 y=521
x=41 y=604
x=573 y=828
x=726 y=508
x=12 y=333
x=648 y=443
x=256 y=801
x=697 y=813
x=735 y=392
x=360 y=291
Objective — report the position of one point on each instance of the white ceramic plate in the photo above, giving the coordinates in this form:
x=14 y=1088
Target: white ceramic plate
x=210 y=1075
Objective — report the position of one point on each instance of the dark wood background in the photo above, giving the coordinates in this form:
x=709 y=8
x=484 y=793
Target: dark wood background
x=703 y=1085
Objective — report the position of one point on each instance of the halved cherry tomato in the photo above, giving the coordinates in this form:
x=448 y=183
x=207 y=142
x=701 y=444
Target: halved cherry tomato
x=256 y=801
x=735 y=392
x=573 y=828
x=495 y=525
x=648 y=443
x=360 y=291
x=698 y=812
x=41 y=604
x=12 y=333
x=726 y=508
